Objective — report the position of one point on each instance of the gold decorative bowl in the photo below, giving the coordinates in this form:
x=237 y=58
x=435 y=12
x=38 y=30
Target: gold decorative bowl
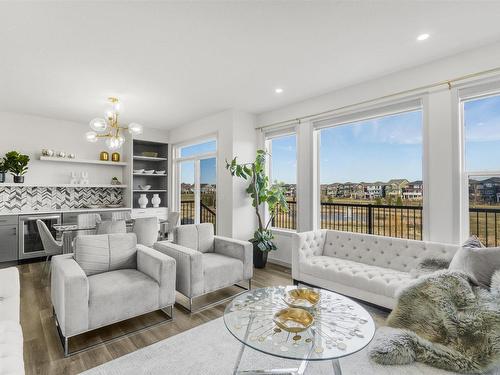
x=302 y=297
x=293 y=320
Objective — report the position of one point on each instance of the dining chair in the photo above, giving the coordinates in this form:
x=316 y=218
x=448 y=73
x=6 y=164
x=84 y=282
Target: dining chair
x=50 y=245
x=121 y=215
x=89 y=221
x=168 y=226
x=146 y=229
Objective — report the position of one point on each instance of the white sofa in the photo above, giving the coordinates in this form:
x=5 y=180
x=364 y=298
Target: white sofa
x=11 y=334
x=367 y=267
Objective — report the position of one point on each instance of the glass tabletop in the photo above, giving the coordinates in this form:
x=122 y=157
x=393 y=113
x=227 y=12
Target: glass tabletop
x=339 y=326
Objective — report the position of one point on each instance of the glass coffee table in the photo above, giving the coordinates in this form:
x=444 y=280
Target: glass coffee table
x=324 y=328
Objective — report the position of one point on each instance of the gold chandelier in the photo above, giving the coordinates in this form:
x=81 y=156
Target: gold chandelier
x=109 y=129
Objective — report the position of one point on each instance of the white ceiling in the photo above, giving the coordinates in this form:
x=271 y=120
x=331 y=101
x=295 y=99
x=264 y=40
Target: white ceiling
x=172 y=62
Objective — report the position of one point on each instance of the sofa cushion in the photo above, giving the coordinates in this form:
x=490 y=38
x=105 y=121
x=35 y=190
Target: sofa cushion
x=11 y=348
x=105 y=252
x=220 y=271
x=10 y=299
x=119 y=295
x=480 y=263
x=387 y=252
x=374 y=279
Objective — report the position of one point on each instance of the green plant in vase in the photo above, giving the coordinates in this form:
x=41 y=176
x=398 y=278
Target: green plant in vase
x=3 y=170
x=17 y=164
x=262 y=192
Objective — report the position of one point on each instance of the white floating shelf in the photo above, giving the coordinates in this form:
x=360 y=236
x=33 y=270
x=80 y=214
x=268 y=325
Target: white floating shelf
x=83 y=161
x=150 y=175
x=150 y=191
x=11 y=184
x=148 y=158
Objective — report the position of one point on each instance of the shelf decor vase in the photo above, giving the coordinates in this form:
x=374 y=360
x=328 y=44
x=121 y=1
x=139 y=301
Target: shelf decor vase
x=115 y=156
x=143 y=201
x=156 y=200
x=104 y=156
x=2 y=177
x=19 y=179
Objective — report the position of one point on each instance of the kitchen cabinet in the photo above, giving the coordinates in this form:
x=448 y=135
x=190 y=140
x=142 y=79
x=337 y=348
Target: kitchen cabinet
x=8 y=238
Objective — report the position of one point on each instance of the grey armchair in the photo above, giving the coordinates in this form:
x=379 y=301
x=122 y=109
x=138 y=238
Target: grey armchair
x=109 y=278
x=206 y=263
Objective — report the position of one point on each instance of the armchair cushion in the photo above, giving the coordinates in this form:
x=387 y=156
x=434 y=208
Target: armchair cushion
x=161 y=268
x=220 y=271
x=106 y=252
x=119 y=295
x=189 y=267
x=241 y=250
x=198 y=237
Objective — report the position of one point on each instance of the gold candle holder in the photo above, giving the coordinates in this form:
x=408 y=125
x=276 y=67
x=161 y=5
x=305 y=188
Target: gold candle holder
x=104 y=156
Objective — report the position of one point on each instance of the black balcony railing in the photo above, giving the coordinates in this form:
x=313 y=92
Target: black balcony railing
x=207 y=214
x=385 y=220
x=485 y=224
x=286 y=220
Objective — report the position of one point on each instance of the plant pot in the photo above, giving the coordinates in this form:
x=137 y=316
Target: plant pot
x=18 y=179
x=2 y=177
x=259 y=257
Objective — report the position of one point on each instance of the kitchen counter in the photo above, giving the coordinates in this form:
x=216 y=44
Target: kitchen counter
x=60 y=211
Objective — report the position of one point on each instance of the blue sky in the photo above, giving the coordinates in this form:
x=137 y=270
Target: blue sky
x=207 y=166
x=378 y=149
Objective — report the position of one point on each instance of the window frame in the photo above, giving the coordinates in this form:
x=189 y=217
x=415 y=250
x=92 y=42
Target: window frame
x=269 y=136
x=402 y=105
x=469 y=92
x=176 y=175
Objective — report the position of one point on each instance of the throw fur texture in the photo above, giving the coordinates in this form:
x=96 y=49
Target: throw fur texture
x=444 y=321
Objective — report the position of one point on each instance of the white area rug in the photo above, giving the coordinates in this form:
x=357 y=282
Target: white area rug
x=211 y=350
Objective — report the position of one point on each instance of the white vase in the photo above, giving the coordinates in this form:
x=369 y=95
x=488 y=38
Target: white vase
x=143 y=201
x=156 y=201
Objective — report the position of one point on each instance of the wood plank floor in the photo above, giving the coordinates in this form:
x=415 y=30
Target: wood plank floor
x=43 y=352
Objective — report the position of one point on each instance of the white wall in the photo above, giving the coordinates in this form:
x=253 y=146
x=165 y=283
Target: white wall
x=235 y=137
x=441 y=174
x=30 y=134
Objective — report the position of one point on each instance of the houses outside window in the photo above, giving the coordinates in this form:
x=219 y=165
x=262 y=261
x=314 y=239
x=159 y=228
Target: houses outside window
x=370 y=171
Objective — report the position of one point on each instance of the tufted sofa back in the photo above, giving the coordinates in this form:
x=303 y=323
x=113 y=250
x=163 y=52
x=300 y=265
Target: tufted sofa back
x=388 y=252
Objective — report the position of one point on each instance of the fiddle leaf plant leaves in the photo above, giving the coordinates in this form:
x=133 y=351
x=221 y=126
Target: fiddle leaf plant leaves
x=261 y=191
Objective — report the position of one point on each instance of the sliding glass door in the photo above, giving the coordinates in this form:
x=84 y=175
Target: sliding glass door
x=196 y=181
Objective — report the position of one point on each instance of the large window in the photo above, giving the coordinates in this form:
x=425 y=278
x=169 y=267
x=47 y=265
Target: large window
x=196 y=167
x=371 y=173
x=283 y=170
x=481 y=118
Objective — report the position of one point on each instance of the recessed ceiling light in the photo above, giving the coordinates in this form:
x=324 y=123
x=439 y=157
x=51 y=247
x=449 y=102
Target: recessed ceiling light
x=278 y=90
x=423 y=37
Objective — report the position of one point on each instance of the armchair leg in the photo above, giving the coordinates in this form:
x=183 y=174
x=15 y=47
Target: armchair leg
x=295 y=282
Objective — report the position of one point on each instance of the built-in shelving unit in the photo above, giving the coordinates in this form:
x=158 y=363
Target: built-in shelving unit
x=158 y=182
x=83 y=161
x=148 y=158
x=150 y=191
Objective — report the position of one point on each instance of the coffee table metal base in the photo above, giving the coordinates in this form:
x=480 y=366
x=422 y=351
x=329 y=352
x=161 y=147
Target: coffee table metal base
x=283 y=371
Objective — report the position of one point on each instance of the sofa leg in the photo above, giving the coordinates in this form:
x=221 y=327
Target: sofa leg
x=66 y=347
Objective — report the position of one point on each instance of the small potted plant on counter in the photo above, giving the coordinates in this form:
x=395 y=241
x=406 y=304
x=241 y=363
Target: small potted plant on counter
x=3 y=169
x=17 y=165
x=261 y=191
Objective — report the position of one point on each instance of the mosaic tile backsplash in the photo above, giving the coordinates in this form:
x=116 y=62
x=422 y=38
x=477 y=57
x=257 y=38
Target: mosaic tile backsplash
x=45 y=198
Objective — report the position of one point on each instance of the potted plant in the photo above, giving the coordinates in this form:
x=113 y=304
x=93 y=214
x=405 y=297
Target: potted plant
x=16 y=164
x=262 y=192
